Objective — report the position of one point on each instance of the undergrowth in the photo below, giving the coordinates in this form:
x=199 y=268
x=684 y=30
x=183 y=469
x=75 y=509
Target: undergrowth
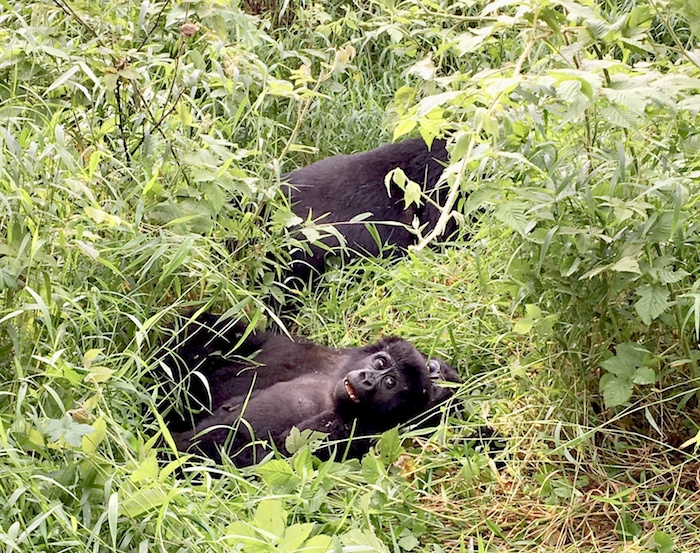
x=141 y=146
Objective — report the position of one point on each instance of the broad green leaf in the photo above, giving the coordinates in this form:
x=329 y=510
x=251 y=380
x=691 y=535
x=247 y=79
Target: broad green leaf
x=404 y=127
x=628 y=357
x=618 y=366
x=271 y=517
x=627 y=265
x=644 y=375
x=664 y=542
x=512 y=213
x=92 y=440
x=241 y=533
x=147 y=470
x=653 y=301
x=318 y=544
x=143 y=500
x=294 y=537
x=66 y=428
x=278 y=474
x=389 y=446
x=523 y=326
x=364 y=538
x=616 y=391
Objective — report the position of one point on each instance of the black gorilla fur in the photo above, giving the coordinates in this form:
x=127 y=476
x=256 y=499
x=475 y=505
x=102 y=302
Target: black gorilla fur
x=293 y=382
x=338 y=188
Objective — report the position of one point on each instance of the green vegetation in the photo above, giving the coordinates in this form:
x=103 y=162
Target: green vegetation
x=140 y=152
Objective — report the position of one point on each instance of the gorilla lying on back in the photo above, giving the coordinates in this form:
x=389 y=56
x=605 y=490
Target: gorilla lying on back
x=338 y=188
x=293 y=382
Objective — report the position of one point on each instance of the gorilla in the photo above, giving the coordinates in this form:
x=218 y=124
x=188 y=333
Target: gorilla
x=237 y=403
x=338 y=188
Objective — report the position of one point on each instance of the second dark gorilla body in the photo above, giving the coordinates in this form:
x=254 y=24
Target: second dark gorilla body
x=338 y=188
x=342 y=392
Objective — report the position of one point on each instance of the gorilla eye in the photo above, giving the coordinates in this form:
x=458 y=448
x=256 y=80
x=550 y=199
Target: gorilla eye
x=434 y=368
x=389 y=381
x=380 y=362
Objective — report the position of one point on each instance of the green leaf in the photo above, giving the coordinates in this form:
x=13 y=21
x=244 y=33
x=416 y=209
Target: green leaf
x=512 y=213
x=66 y=428
x=318 y=544
x=364 y=538
x=404 y=127
x=389 y=446
x=278 y=474
x=92 y=440
x=616 y=391
x=271 y=517
x=412 y=195
x=239 y=532
x=644 y=375
x=296 y=439
x=653 y=302
x=628 y=357
x=523 y=326
x=142 y=501
x=627 y=265
x=147 y=470
x=408 y=541
x=664 y=542
x=294 y=537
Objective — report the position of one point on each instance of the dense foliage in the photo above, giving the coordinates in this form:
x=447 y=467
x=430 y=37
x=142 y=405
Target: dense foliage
x=141 y=145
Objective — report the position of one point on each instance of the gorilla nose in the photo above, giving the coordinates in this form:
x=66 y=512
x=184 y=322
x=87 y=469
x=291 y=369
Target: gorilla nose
x=367 y=380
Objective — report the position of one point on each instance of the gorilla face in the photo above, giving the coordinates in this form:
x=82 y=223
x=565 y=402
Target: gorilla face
x=393 y=385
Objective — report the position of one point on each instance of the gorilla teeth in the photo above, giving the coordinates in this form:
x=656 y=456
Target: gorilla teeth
x=351 y=391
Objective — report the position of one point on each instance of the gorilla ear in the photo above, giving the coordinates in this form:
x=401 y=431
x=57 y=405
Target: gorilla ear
x=434 y=369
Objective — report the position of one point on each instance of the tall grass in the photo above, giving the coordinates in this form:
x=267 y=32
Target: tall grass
x=139 y=162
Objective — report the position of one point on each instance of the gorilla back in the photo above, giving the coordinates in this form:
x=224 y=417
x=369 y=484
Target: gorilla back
x=293 y=382
x=338 y=188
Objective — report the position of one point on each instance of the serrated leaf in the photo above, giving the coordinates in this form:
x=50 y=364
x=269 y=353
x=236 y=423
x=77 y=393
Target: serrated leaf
x=270 y=517
x=619 y=367
x=66 y=428
x=627 y=265
x=512 y=213
x=296 y=439
x=616 y=391
x=644 y=375
x=615 y=116
x=294 y=537
x=628 y=357
x=147 y=470
x=653 y=301
x=389 y=446
x=276 y=473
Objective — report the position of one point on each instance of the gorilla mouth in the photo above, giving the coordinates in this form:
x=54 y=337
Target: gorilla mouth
x=351 y=391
